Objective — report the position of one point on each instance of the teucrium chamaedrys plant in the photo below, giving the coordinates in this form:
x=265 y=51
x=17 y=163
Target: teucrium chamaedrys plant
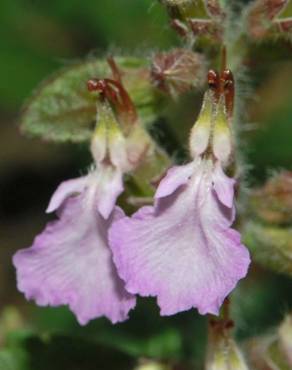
x=183 y=249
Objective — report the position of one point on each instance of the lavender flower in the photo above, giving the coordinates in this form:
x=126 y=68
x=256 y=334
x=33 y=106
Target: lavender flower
x=70 y=262
x=183 y=249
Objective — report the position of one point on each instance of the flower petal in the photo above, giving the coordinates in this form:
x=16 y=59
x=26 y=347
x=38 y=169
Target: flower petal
x=109 y=188
x=65 y=190
x=175 y=177
x=224 y=186
x=70 y=262
x=182 y=250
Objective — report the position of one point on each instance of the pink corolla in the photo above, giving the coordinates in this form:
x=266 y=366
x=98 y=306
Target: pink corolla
x=183 y=250
x=70 y=262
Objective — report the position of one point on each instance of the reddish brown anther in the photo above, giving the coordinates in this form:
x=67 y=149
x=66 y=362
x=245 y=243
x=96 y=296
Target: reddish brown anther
x=213 y=79
x=114 y=92
x=222 y=84
x=102 y=86
x=95 y=85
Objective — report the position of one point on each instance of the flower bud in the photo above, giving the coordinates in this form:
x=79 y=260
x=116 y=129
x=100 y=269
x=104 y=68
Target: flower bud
x=200 y=133
x=178 y=71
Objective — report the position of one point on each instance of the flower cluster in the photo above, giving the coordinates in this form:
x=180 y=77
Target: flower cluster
x=181 y=250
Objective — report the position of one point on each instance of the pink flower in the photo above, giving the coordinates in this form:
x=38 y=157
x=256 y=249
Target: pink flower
x=70 y=262
x=183 y=249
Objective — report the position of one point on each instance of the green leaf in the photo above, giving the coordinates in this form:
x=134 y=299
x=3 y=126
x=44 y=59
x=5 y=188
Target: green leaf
x=63 y=110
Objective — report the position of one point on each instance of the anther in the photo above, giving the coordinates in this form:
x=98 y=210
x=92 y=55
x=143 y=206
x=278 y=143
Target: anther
x=213 y=79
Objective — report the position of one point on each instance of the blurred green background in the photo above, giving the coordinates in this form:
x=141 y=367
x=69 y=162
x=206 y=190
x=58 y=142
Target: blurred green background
x=37 y=38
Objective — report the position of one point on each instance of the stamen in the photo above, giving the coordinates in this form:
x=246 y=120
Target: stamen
x=213 y=79
x=114 y=92
x=222 y=84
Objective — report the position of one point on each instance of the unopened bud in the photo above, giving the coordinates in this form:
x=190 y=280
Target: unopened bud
x=178 y=71
x=200 y=134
